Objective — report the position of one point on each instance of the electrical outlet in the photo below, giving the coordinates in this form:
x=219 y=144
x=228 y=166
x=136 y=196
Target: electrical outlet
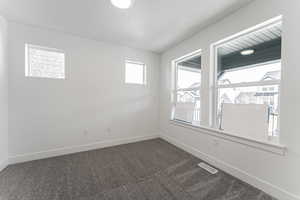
x=86 y=132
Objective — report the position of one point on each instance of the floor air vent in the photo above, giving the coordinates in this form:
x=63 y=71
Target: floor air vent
x=208 y=168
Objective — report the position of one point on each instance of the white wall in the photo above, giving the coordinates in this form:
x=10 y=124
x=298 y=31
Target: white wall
x=3 y=94
x=278 y=175
x=48 y=115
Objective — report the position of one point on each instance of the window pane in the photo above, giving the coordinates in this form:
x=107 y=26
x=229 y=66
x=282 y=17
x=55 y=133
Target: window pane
x=246 y=104
x=188 y=104
x=258 y=95
x=45 y=63
x=264 y=72
x=135 y=73
x=188 y=77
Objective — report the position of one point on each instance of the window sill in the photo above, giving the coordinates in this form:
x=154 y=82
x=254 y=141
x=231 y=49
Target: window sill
x=262 y=145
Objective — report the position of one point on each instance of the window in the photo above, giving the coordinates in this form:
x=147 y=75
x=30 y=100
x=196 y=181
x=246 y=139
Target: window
x=44 y=62
x=248 y=73
x=135 y=73
x=187 y=89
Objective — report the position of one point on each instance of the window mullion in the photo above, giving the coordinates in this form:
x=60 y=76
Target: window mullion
x=250 y=84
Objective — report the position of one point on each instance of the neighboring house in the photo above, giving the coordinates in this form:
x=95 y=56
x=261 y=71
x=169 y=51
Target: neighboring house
x=246 y=98
x=192 y=94
x=195 y=90
x=225 y=98
x=274 y=75
x=265 y=94
x=186 y=97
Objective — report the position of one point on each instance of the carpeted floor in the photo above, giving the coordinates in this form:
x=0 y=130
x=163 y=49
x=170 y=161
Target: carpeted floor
x=150 y=170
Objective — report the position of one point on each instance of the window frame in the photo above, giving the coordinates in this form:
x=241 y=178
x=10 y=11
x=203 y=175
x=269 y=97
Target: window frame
x=129 y=61
x=175 y=81
x=213 y=109
x=43 y=48
x=252 y=84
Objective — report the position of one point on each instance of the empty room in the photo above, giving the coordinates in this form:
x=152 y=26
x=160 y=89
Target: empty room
x=149 y=100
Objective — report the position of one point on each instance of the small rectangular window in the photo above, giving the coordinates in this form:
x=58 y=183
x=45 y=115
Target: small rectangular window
x=248 y=83
x=135 y=73
x=187 y=89
x=44 y=62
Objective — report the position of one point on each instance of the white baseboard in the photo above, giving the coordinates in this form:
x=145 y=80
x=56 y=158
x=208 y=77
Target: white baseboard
x=240 y=174
x=76 y=149
x=3 y=164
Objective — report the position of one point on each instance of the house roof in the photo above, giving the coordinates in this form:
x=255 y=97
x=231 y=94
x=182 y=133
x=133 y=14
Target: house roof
x=273 y=75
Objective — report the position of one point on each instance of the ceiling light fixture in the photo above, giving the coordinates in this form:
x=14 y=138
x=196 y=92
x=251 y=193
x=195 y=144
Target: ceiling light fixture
x=247 y=52
x=123 y=4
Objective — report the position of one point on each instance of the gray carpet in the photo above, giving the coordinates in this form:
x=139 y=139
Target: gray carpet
x=150 y=170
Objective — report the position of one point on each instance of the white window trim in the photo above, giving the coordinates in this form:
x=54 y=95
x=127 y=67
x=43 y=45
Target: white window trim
x=175 y=78
x=27 y=65
x=214 y=86
x=257 y=144
x=144 y=72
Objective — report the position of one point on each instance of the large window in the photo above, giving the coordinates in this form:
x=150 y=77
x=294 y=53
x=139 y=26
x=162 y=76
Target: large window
x=44 y=62
x=187 y=89
x=248 y=84
x=135 y=73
